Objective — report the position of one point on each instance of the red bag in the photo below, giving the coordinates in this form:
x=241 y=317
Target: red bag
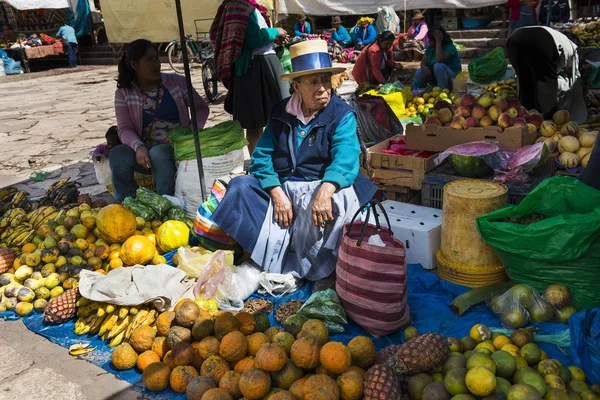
x=371 y=280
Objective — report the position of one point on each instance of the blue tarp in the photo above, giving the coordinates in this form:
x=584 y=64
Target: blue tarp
x=429 y=300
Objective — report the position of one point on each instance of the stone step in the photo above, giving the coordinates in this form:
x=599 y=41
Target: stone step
x=478 y=33
x=97 y=54
x=471 y=53
x=98 y=61
x=482 y=43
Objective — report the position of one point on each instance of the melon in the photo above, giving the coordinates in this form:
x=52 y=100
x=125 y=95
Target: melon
x=568 y=144
x=588 y=139
x=115 y=223
x=470 y=166
x=569 y=160
x=585 y=160
x=172 y=235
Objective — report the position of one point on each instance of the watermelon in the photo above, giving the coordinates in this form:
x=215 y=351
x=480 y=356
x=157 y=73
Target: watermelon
x=529 y=158
x=470 y=166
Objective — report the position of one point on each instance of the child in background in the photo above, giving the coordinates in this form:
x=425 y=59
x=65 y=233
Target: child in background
x=112 y=141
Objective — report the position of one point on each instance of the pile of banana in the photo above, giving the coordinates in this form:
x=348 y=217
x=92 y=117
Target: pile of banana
x=61 y=193
x=588 y=34
x=507 y=88
x=12 y=198
x=114 y=323
x=17 y=227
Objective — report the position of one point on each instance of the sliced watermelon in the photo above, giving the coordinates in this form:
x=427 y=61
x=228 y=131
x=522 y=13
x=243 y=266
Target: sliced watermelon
x=470 y=166
x=529 y=158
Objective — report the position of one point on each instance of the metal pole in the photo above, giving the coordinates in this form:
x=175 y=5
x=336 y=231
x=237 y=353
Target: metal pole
x=190 y=90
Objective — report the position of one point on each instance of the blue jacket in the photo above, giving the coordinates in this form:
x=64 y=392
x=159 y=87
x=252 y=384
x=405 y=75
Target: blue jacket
x=67 y=33
x=298 y=30
x=366 y=37
x=323 y=153
x=341 y=36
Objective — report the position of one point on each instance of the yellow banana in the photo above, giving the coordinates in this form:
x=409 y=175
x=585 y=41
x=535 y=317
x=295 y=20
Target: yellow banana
x=117 y=339
x=101 y=310
x=119 y=327
x=108 y=323
x=82 y=302
x=133 y=310
x=88 y=309
x=110 y=308
x=95 y=327
x=123 y=312
x=137 y=321
x=150 y=318
x=89 y=321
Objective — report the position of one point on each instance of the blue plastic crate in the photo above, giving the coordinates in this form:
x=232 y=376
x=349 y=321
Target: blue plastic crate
x=432 y=189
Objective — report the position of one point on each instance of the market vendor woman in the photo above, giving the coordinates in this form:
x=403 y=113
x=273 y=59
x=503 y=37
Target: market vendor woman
x=305 y=182
x=148 y=105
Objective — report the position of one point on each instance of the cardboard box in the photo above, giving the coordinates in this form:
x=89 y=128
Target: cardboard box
x=394 y=170
x=419 y=228
x=440 y=138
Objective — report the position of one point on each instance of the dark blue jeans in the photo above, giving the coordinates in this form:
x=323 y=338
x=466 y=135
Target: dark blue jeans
x=123 y=164
x=72 y=53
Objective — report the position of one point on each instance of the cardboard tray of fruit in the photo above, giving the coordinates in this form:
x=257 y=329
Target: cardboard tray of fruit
x=441 y=138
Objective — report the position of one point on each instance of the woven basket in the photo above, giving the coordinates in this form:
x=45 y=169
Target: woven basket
x=146 y=181
x=469 y=276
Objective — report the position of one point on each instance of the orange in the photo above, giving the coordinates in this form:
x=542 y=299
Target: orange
x=115 y=223
x=28 y=248
x=115 y=263
x=114 y=254
x=137 y=250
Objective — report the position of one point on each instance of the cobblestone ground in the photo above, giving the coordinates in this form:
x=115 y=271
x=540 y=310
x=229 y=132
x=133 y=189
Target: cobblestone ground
x=51 y=121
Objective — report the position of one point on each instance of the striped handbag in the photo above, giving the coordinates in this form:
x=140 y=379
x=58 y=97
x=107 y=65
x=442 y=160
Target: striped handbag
x=371 y=280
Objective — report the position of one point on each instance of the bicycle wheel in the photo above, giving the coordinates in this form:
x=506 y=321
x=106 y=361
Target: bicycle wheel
x=209 y=80
x=175 y=54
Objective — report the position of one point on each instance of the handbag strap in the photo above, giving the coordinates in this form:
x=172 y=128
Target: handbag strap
x=373 y=204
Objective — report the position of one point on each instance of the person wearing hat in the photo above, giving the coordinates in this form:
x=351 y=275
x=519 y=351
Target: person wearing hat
x=365 y=34
x=340 y=35
x=376 y=62
x=417 y=37
x=305 y=181
x=302 y=26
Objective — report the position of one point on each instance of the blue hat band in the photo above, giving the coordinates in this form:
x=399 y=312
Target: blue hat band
x=311 y=61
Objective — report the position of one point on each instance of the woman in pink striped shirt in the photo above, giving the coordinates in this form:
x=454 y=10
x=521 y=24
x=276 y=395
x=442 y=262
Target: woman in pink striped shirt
x=148 y=104
x=417 y=37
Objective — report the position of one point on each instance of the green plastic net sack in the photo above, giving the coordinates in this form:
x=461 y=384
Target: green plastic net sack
x=552 y=236
x=216 y=141
x=489 y=68
x=326 y=306
x=139 y=209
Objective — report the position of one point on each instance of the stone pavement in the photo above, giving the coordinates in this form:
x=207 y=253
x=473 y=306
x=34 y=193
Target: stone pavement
x=52 y=123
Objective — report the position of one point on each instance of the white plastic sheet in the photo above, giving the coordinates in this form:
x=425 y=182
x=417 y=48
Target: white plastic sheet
x=341 y=7
x=35 y=4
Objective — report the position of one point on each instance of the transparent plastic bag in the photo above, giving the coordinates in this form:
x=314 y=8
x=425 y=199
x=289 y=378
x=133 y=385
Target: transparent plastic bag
x=521 y=305
x=194 y=263
x=238 y=284
x=327 y=307
x=211 y=276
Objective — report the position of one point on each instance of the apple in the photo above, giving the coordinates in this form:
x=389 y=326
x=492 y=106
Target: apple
x=535 y=119
x=463 y=111
x=457 y=122
x=486 y=99
x=494 y=112
x=468 y=100
x=519 y=122
x=486 y=121
x=471 y=123
x=532 y=129
x=433 y=121
x=512 y=112
x=505 y=120
x=478 y=112
x=501 y=104
x=445 y=115
x=522 y=112
x=513 y=103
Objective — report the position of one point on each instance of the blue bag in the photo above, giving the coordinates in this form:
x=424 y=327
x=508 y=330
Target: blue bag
x=11 y=67
x=584 y=327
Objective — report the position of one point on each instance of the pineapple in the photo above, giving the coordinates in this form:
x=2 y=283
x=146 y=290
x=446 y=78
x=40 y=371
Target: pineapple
x=420 y=354
x=385 y=354
x=62 y=308
x=383 y=383
x=7 y=256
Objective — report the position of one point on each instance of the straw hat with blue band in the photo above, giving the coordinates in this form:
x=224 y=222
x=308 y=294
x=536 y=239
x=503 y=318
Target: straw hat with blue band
x=310 y=57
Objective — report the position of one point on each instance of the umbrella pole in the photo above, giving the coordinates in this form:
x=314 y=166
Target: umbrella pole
x=190 y=90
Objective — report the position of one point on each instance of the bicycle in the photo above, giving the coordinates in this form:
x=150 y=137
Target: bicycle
x=198 y=51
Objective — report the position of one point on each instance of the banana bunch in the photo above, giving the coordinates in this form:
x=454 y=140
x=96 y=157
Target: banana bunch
x=16 y=231
x=61 y=193
x=44 y=214
x=588 y=35
x=6 y=196
x=508 y=88
x=110 y=322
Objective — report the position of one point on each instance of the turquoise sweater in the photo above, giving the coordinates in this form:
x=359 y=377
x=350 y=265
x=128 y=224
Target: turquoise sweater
x=256 y=37
x=345 y=153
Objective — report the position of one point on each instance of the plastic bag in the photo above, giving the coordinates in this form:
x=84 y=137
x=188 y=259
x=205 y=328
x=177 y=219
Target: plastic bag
x=139 y=209
x=390 y=88
x=211 y=276
x=159 y=204
x=238 y=284
x=193 y=262
x=220 y=139
x=327 y=307
x=102 y=169
x=176 y=213
x=563 y=248
x=521 y=163
x=277 y=285
x=520 y=305
x=584 y=327
x=489 y=68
